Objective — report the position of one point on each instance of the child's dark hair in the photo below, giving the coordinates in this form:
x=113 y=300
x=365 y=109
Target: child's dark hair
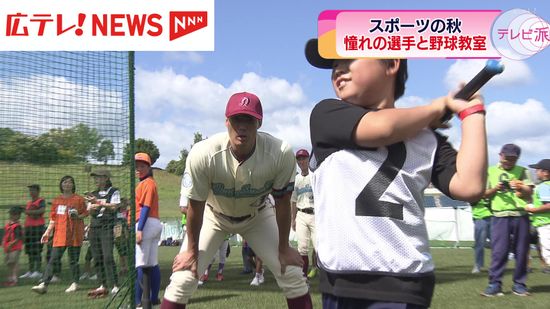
x=400 y=77
x=15 y=210
x=65 y=178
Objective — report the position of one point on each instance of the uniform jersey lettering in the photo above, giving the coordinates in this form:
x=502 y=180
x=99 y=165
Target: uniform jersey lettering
x=245 y=191
x=212 y=174
x=306 y=189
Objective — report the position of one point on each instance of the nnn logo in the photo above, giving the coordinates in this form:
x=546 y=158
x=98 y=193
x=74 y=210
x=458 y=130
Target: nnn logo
x=183 y=23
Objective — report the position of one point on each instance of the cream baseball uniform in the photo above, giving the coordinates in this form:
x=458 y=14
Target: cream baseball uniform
x=305 y=218
x=237 y=201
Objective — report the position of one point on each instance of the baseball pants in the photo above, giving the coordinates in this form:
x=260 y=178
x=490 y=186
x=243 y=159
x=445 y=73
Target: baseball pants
x=261 y=233
x=147 y=251
x=305 y=231
x=222 y=251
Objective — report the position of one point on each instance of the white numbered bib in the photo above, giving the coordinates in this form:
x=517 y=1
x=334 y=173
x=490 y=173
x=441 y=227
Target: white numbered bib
x=61 y=209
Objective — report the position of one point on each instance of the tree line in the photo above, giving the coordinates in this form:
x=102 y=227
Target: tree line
x=178 y=166
x=71 y=145
x=78 y=144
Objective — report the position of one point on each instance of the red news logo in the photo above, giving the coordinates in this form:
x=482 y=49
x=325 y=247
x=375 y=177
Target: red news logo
x=114 y=25
x=185 y=22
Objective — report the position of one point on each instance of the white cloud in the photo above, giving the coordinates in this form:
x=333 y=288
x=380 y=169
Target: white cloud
x=291 y=124
x=515 y=73
x=411 y=101
x=524 y=124
x=505 y=119
x=176 y=106
x=275 y=93
x=169 y=137
x=35 y=104
x=167 y=89
x=171 y=107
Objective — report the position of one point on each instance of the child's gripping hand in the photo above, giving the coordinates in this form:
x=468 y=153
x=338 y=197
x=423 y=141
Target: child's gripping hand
x=439 y=106
x=458 y=105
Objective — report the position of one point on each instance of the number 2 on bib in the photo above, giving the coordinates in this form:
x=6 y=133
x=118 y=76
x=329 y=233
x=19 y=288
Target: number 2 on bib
x=368 y=202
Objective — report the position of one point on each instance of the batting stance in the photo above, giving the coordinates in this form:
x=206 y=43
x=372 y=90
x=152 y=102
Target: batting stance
x=371 y=163
x=227 y=179
x=303 y=208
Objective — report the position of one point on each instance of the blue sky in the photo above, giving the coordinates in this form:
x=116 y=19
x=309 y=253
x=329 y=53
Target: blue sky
x=259 y=48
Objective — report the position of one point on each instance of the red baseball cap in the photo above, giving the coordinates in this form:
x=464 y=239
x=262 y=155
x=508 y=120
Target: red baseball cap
x=302 y=153
x=244 y=103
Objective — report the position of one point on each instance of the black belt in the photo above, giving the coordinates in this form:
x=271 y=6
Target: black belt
x=234 y=219
x=309 y=210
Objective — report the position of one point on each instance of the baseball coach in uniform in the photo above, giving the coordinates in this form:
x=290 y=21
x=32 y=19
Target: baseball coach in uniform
x=227 y=180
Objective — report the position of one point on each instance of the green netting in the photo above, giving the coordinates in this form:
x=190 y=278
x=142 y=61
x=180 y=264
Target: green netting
x=68 y=113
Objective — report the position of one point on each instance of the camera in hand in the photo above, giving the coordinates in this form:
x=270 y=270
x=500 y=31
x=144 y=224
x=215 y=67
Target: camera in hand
x=73 y=212
x=506 y=185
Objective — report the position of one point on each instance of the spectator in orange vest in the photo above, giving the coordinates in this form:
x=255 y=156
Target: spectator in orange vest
x=34 y=228
x=13 y=244
x=68 y=210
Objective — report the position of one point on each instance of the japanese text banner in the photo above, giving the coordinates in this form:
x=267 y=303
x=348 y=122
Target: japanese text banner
x=407 y=34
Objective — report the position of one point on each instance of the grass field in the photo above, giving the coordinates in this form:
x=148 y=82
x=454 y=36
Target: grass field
x=456 y=287
x=169 y=193
x=17 y=176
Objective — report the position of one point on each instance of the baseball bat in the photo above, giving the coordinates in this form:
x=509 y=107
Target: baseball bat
x=491 y=69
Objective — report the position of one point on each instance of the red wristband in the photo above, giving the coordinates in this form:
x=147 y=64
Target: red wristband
x=479 y=108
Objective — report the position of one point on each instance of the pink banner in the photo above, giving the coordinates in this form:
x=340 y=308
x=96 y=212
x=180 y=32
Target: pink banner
x=407 y=34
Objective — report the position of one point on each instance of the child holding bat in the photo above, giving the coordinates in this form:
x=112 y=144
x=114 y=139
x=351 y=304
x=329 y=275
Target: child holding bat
x=372 y=162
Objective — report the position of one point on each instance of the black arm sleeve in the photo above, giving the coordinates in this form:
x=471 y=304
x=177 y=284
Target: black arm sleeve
x=444 y=166
x=332 y=125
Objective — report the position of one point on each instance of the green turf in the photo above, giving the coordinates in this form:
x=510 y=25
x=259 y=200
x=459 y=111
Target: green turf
x=169 y=193
x=456 y=287
x=16 y=176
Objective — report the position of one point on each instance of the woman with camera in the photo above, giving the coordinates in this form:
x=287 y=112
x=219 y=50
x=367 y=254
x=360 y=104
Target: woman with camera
x=67 y=212
x=103 y=205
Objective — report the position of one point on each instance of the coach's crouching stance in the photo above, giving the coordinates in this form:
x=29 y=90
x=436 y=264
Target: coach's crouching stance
x=228 y=178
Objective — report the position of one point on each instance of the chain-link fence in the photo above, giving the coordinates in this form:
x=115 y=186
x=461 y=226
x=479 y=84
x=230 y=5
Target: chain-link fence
x=65 y=126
